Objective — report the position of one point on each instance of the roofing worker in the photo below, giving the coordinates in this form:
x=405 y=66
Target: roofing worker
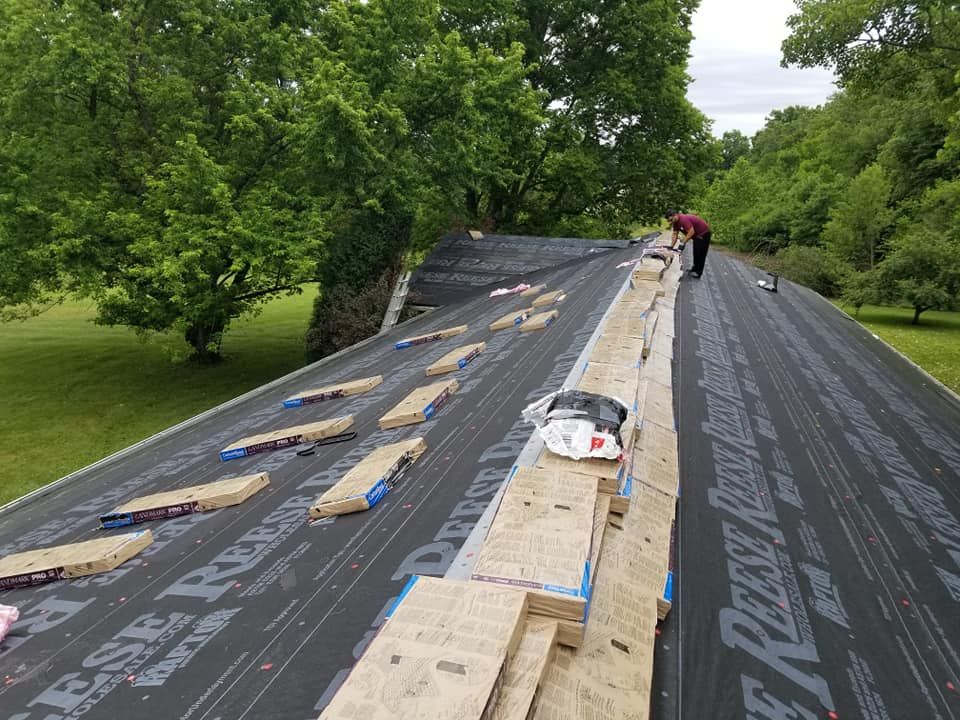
x=693 y=227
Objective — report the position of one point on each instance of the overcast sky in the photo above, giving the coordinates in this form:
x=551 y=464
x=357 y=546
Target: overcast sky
x=735 y=63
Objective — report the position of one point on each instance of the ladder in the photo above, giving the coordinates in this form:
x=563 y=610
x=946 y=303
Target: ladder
x=399 y=297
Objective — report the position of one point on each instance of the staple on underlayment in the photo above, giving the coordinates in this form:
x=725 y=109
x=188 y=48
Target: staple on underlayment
x=456 y=359
x=420 y=405
x=443 y=653
x=186 y=500
x=431 y=337
x=540 y=321
x=370 y=480
x=286 y=437
x=333 y=391
x=60 y=562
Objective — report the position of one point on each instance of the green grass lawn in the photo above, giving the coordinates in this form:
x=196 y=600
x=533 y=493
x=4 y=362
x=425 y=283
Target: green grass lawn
x=73 y=392
x=933 y=344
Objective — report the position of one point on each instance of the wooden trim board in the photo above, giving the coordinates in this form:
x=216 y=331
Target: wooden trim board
x=548 y=298
x=540 y=540
x=183 y=501
x=431 y=337
x=331 y=392
x=420 y=405
x=442 y=654
x=511 y=319
x=456 y=359
x=60 y=562
x=540 y=321
x=526 y=669
x=287 y=437
x=369 y=480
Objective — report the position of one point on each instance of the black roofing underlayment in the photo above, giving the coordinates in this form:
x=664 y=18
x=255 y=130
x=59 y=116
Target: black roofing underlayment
x=818 y=565
x=459 y=264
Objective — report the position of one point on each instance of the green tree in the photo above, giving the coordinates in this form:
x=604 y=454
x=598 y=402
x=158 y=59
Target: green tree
x=860 y=219
x=734 y=145
x=150 y=158
x=922 y=272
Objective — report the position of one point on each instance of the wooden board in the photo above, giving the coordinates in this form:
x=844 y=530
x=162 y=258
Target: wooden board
x=540 y=540
x=526 y=669
x=654 y=461
x=535 y=290
x=539 y=321
x=431 y=337
x=331 y=392
x=511 y=319
x=612 y=381
x=60 y=562
x=657 y=404
x=369 y=480
x=548 y=298
x=456 y=359
x=183 y=501
x=420 y=405
x=608 y=473
x=612 y=349
x=286 y=437
x=442 y=654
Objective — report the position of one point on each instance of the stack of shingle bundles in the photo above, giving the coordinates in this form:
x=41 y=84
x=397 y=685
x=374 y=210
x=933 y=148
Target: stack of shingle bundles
x=610 y=675
x=420 y=405
x=648 y=269
x=613 y=381
x=525 y=673
x=613 y=476
x=369 y=480
x=443 y=653
x=541 y=540
x=456 y=359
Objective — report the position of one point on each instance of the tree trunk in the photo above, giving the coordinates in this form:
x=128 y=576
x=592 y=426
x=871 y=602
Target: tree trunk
x=916 y=315
x=201 y=338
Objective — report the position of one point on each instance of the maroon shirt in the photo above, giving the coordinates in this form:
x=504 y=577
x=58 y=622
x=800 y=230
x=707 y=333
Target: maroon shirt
x=683 y=223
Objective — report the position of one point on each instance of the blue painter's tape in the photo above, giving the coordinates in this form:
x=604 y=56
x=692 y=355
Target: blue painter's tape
x=114 y=520
x=428 y=411
x=376 y=493
x=668 y=588
x=293 y=403
x=403 y=593
x=233 y=454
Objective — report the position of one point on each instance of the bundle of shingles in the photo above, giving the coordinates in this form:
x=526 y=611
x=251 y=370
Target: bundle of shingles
x=559 y=618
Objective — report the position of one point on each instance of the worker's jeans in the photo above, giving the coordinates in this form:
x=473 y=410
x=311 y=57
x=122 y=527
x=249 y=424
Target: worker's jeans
x=701 y=244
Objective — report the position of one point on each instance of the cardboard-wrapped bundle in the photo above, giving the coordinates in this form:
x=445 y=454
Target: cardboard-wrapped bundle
x=641 y=299
x=535 y=290
x=431 y=337
x=521 y=686
x=613 y=381
x=456 y=359
x=60 y=562
x=195 y=498
x=369 y=480
x=650 y=269
x=657 y=366
x=548 y=299
x=650 y=330
x=287 y=437
x=541 y=540
x=654 y=460
x=648 y=286
x=655 y=401
x=625 y=322
x=511 y=319
x=420 y=405
x=333 y=391
x=442 y=654
x=570 y=694
x=540 y=321
x=613 y=349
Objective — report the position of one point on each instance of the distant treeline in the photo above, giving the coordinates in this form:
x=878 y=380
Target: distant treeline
x=183 y=161
x=859 y=197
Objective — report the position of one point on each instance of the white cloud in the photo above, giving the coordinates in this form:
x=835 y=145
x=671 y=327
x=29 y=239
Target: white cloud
x=735 y=64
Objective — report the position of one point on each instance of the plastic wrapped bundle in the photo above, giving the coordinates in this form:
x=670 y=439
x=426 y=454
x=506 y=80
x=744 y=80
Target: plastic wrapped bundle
x=8 y=616
x=579 y=424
